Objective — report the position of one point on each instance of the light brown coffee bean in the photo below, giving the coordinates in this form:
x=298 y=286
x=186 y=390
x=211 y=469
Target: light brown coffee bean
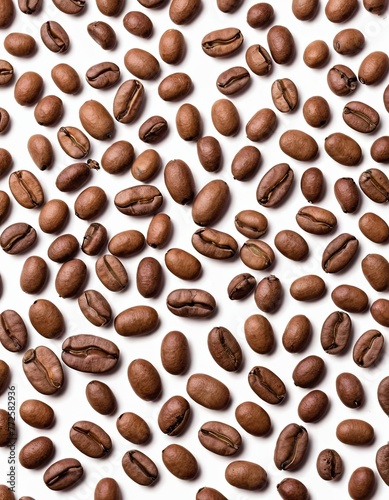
x=214 y=244
x=5 y=203
x=316 y=111
x=37 y=414
x=103 y=34
x=183 y=12
x=208 y=391
x=246 y=475
x=308 y=287
x=13 y=331
x=339 y=253
x=63 y=474
x=55 y=37
x=26 y=189
x=285 y=95
x=275 y=185
x=268 y=294
x=46 y=318
x=159 y=231
x=109 y=8
x=259 y=333
x=149 y=277
x=347 y=194
x=368 y=347
x=258 y=60
x=350 y=298
x=133 y=428
x=75 y=175
x=180 y=461
x=373 y=68
x=17 y=238
x=36 y=452
x=66 y=78
x=182 y=264
x=90 y=202
x=153 y=130
x=175 y=86
x=375 y=268
x=28 y=88
x=253 y=418
x=281 y=44
x=350 y=390
x=382 y=462
x=225 y=117
x=313 y=406
x=209 y=153
x=34 y=274
x=128 y=101
x=20 y=44
x=188 y=122
x=95 y=239
x=175 y=355
x=223 y=42
x=361 y=117
x=224 y=348
x=53 y=216
x=43 y=370
x=379 y=150
x=335 y=332
x=374 y=227
x=191 y=303
x=41 y=151
x=267 y=385
x=291 y=244
x=139 y=200
x=111 y=273
x=233 y=80
x=144 y=379
x=172 y=46
x=382 y=394
x=138 y=24
x=179 y=181
x=126 y=243
x=342 y=80
x=304 y=10
x=48 y=110
x=349 y=41
x=343 y=149
x=142 y=64
x=260 y=15
x=90 y=439
x=107 y=489
x=70 y=6
x=173 y=416
x=355 y=432
x=95 y=307
x=312 y=184
x=96 y=120
x=307 y=149
x=70 y=278
x=292 y=489
x=316 y=220
x=89 y=353
x=329 y=465
x=297 y=333
x=308 y=372
x=241 y=286
x=139 y=467
x=136 y=320
x=316 y=54
x=251 y=223
x=205 y=212
x=291 y=447
x=338 y=11
x=63 y=248
x=245 y=163
x=220 y=438
x=74 y=142
x=257 y=254
x=261 y=125
x=375 y=185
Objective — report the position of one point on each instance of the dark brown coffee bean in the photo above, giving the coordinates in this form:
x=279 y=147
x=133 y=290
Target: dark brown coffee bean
x=350 y=298
x=361 y=117
x=291 y=244
x=107 y=489
x=382 y=463
x=343 y=149
x=136 y=320
x=133 y=428
x=6 y=72
x=53 y=216
x=307 y=149
x=339 y=253
x=281 y=44
x=180 y=461
x=292 y=489
x=312 y=184
x=183 y=12
x=350 y=390
x=4 y=120
x=126 y=243
x=95 y=239
x=274 y=185
x=209 y=153
x=225 y=349
x=225 y=117
x=253 y=418
x=66 y=78
x=308 y=372
x=260 y=15
x=291 y=447
x=342 y=80
x=241 y=286
x=13 y=331
x=379 y=150
x=191 y=303
x=347 y=194
x=313 y=406
x=70 y=6
x=257 y=254
x=146 y=165
x=179 y=181
x=63 y=474
x=205 y=212
x=175 y=86
x=54 y=37
x=375 y=184
x=304 y=10
x=367 y=349
x=338 y=11
x=173 y=415
x=382 y=394
x=251 y=223
x=144 y=379
x=335 y=332
x=153 y=130
x=20 y=44
x=375 y=6
x=182 y=264
x=284 y=94
x=90 y=439
x=268 y=294
x=139 y=200
x=233 y=80
x=316 y=54
x=128 y=101
x=26 y=189
x=37 y=414
x=261 y=125
x=96 y=120
x=100 y=397
x=375 y=268
x=308 y=287
x=41 y=151
x=141 y=64
x=139 y=467
x=46 y=318
x=103 y=75
x=4 y=375
x=267 y=385
x=95 y=307
x=329 y=465
x=75 y=175
x=223 y=42
x=34 y=274
x=258 y=60
x=208 y=391
x=63 y=248
x=159 y=230
x=17 y=238
x=374 y=227
x=74 y=142
x=43 y=370
x=316 y=111
x=175 y=356
x=220 y=438
x=214 y=243
x=259 y=334
x=109 y=7
x=7 y=14
x=103 y=34
x=246 y=475
x=355 y=432
x=297 y=333
x=373 y=68
x=89 y=353
x=349 y=41
x=138 y=24
x=36 y=452
x=172 y=46
x=316 y=220
x=149 y=277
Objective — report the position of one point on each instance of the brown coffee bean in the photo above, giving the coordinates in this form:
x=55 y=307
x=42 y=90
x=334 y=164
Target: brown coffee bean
x=183 y=12
x=109 y=8
x=241 y=286
x=20 y=44
x=191 y=303
x=316 y=111
x=159 y=231
x=175 y=86
x=173 y=416
x=96 y=120
x=63 y=474
x=146 y=165
x=103 y=34
x=245 y=163
x=70 y=278
x=308 y=287
x=214 y=244
x=297 y=333
x=26 y=189
x=373 y=227
x=90 y=439
x=90 y=203
x=350 y=298
x=75 y=175
x=49 y=110
x=208 y=391
x=291 y=447
x=347 y=194
x=6 y=421
x=225 y=349
x=6 y=72
x=349 y=41
x=43 y=370
x=139 y=200
x=34 y=274
x=36 y=452
x=329 y=465
x=339 y=253
x=17 y=238
x=316 y=220
x=373 y=68
x=342 y=80
x=153 y=130
x=7 y=15
x=89 y=353
x=307 y=149
x=5 y=203
x=225 y=117
x=343 y=149
x=251 y=223
x=46 y=318
x=308 y=372
x=382 y=462
x=139 y=467
x=382 y=394
x=313 y=406
x=375 y=6
x=375 y=268
x=66 y=78
x=95 y=239
x=316 y=54
x=209 y=153
x=5 y=160
x=172 y=46
x=175 y=356
x=257 y=254
x=133 y=428
x=228 y=5
x=268 y=294
x=126 y=243
x=379 y=150
x=335 y=332
x=149 y=277
x=179 y=181
x=4 y=120
x=141 y=64
x=28 y=88
x=4 y=375
x=53 y=216
x=253 y=418
x=144 y=379
x=304 y=10
x=233 y=80
x=260 y=15
x=284 y=94
x=274 y=185
x=180 y=461
x=368 y=347
x=246 y=475
x=107 y=489
x=258 y=60
x=41 y=151
x=95 y=307
x=128 y=101
x=220 y=438
x=292 y=489
x=361 y=483
x=355 y=432
x=55 y=37
x=386 y=98
x=37 y=414
x=63 y=248
x=259 y=334
x=338 y=11
x=261 y=125
x=138 y=24
x=111 y=273
x=281 y=44
x=350 y=390
x=312 y=184
x=136 y=320
x=205 y=212
x=291 y=244
x=267 y=385
x=100 y=397
x=375 y=185
x=182 y=264
x=74 y=142
x=70 y=6
x=13 y=331
x=223 y=42
x=361 y=117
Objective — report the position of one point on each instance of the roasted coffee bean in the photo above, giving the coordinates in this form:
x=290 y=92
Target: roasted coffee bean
x=373 y=68
x=191 y=303
x=172 y=46
x=297 y=333
x=149 y=277
x=257 y=254
x=126 y=243
x=361 y=483
x=36 y=452
x=376 y=270
x=6 y=72
x=308 y=287
x=95 y=239
x=308 y=372
x=312 y=184
x=223 y=42
x=4 y=375
x=100 y=397
x=46 y=318
x=182 y=11
x=139 y=200
x=329 y=465
x=375 y=6
x=261 y=125
x=350 y=390
x=316 y=54
x=375 y=184
x=74 y=142
x=291 y=447
x=214 y=243
x=180 y=461
x=109 y=8
x=182 y=264
x=70 y=6
x=313 y=406
x=29 y=6
x=28 y=88
x=339 y=253
x=41 y=151
x=274 y=185
x=175 y=86
x=6 y=421
x=316 y=111
x=159 y=230
x=103 y=75
x=342 y=80
x=89 y=353
x=54 y=37
x=95 y=307
x=34 y=274
x=382 y=394
x=5 y=161
x=5 y=203
x=70 y=278
x=367 y=349
x=268 y=294
x=233 y=80
x=4 y=120
x=205 y=212
x=260 y=15
x=153 y=130
x=128 y=101
x=179 y=181
x=139 y=467
x=284 y=94
x=259 y=333
x=335 y=332
x=292 y=489
x=90 y=439
x=258 y=60
x=208 y=391
x=347 y=194
x=374 y=227
x=26 y=189
x=37 y=414
x=267 y=385
x=20 y=44
x=66 y=78
x=138 y=24
x=298 y=145
x=7 y=14
x=63 y=474
x=291 y=244
x=241 y=286
x=228 y=5
x=251 y=223
x=304 y=10
x=343 y=149
x=133 y=428
x=209 y=153
x=253 y=418
x=350 y=298
x=355 y=432
x=379 y=150
x=146 y=165
x=225 y=349
x=386 y=98
x=141 y=64
x=316 y=220
x=103 y=34
x=246 y=475
x=361 y=117
x=136 y=320
x=63 y=248
x=382 y=462
x=245 y=163
x=225 y=117
x=43 y=370
x=281 y=44
x=75 y=175
x=13 y=331
x=349 y=41
x=173 y=415
x=96 y=120
x=107 y=489
x=17 y=238
x=175 y=356
x=220 y=438
x=144 y=379
x=338 y=11
x=188 y=122
x=53 y=216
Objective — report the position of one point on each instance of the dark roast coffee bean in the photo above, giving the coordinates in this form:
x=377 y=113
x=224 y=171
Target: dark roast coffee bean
x=284 y=94
x=128 y=101
x=13 y=331
x=316 y=220
x=347 y=194
x=220 y=438
x=225 y=349
x=17 y=238
x=95 y=307
x=281 y=44
x=274 y=185
x=291 y=447
x=355 y=432
x=267 y=385
x=241 y=286
x=375 y=184
x=214 y=243
x=268 y=294
x=367 y=349
x=180 y=461
x=43 y=370
x=103 y=34
x=133 y=428
x=173 y=415
x=54 y=37
x=191 y=303
x=144 y=379
x=339 y=253
x=208 y=391
x=350 y=390
x=90 y=439
x=308 y=372
x=100 y=397
x=63 y=474
x=329 y=465
x=335 y=332
x=139 y=200
x=342 y=80
x=223 y=42
x=139 y=467
x=233 y=80
x=89 y=353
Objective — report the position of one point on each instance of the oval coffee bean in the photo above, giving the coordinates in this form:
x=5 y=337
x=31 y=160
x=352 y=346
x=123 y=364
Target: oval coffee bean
x=223 y=42
x=379 y=150
x=107 y=489
x=188 y=122
x=225 y=117
x=268 y=294
x=329 y=465
x=28 y=88
x=382 y=463
x=241 y=286
x=37 y=414
x=146 y=165
x=175 y=355
x=291 y=447
x=13 y=331
x=224 y=348
x=337 y=11
x=149 y=277
x=103 y=75
x=214 y=244
x=373 y=68
x=312 y=184
x=179 y=181
x=274 y=185
x=367 y=349
x=291 y=244
x=316 y=54
x=180 y=461
x=173 y=415
x=208 y=391
x=66 y=78
x=343 y=149
x=139 y=467
x=251 y=223
x=7 y=14
x=313 y=406
x=304 y=10
x=136 y=320
x=95 y=307
x=95 y=239
x=70 y=278
x=70 y=6
x=89 y=353
x=347 y=194
x=284 y=95
x=205 y=212
x=374 y=227
x=34 y=274
x=74 y=142
x=100 y=397
x=308 y=372
x=175 y=86
x=349 y=41
x=138 y=24
x=258 y=60
x=246 y=475
x=43 y=370
x=339 y=253
x=55 y=37
x=103 y=34
x=20 y=44
x=220 y=438
x=361 y=117
x=350 y=298
x=53 y=216
x=316 y=111
x=63 y=248
x=335 y=332
x=109 y=7
x=306 y=150
x=17 y=238
x=297 y=333
x=261 y=125
x=375 y=268
x=90 y=439
x=350 y=390
x=253 y=418
x=159 y=231
x=128 y=101
x=308 y=287
x=233 y=80
x=191 y=303
x=355 y=432
x=133 y=428
x=382 y=394
x=257 y=254
x=316 y=220
x=138 y=200
x=267 y=385
x=245 y=163
x=290 y=488
x=281 y=44
x=153 y=130
x=26 y=189
x=5 y=160
x=260 y=15
x=342 y=80
x=75 y=175
x=49 y=110
x=126 y=243
x=144 y=379
x=63 y=474
x=361 y=483
x=4 y=375
x=142 y=64
x=172 y=46
x=96 y=120
x=209 y=153
x=259 y=334
x=182 y=264
x=36 y=452
x=183 y=12
x=375 y=185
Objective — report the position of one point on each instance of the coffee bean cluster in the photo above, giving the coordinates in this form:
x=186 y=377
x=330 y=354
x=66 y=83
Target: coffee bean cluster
x=133 y=179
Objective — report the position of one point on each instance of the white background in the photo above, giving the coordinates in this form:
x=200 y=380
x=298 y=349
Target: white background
x=70 y=404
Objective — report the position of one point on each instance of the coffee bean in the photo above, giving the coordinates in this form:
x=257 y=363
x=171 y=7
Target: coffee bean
x=308 y=287
x=95 y=239
x=224 y=348
x=63 y=248
x=26 y=189
x=139 y=200
x=259 y=334
x=316 y=54
x=4 y=120
x=268 y=294
x=109 y=7
x=342 y=80
x=261 y=125
x=375 y=185
x=180 y=461
x=13 y=331
x=338 y=11
x=74 y=142
x=7 y=14
x=297 y=333
x=343 y=149
x=380 y=311
x=214 y=243
x=329 y=465
x=5 y=161
x=96 y=120
x=89 y=353
x=225 y=117
x=335 y=332
x=103 y=75
x=291 y=244
x=175 y=355
x=211 y=202
x=382 y=462
x=159 y=231
x=245 y=163
x=375 y=268
x=75 y=175
x=34 y=274
x=350 y=390
x=223 y=42
x=43 y=370
x=233 y=80
x=361 y=117
x=241 y=286
x=70 y=6
x=183 y=12
x=20 y=44
x=55 y=37
x=63 y=474
x=312 y=184
x=90 y=439
x=173 y=416
x=350 y=298
x=41 y=151
x=107 y=489
x=313 y=406
x=146 y=165
x=179 y=181
x=374 y=227
x=182 y=264
x=355 y=432
x=246 y=475
x=136 y=320
x=251 y=223
x=100 y=397
x=128 y=101
x=367 y=349
x=208 y=391
x=267 y=385
x=175 y=86
x=172 y=46
x=316 y=220
x=207 y=493
x=70 y=278
x=144 y=379
x=304 y=11
x=349 y=41
x=37 y=414
x=28 y=88
x=36 y=452
x=4 y=375
x=191 y=303
x=142 y=64
x=95 y=307
x=259 y=15
x=139 y=467
x=316 y=111
x=257 y=254
x=6 y=421
x=308 y=372
x=307 y=149
x=138 y=24
x=281 y=44
x=374 y=6
x=339 y=253
x=17 y=238
x=291 y=488
x=6 y=72
x=253 y=418
x=103 y=34
x=382 y=394
x=66 y=78
x=133 y=428
x=347 y=194
x=258 y=60
x=285 y=95
x=379 y=150
x=220 y=438
x=53 y=216
x=386 y=97
x=274 y=185
x=153 y=130
x=149 y=277
x=126 y=243
x=291 y=447
x=209 y=153
x=373 y=68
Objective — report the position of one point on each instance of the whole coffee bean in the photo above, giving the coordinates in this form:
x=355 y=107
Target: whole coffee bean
x=281 y=44
x=284 y=94
x=292 y=489
x=37 y=414
x=386 y=98
x=246 y=475
x=90 y=439
x=207 y=493
x=26 y=189
x=179 y=181
x=142 y=64
x=313 y=406
x=138 y=24
x=382 y=462
x=361 y=116
x=350 y=390
x=5 y=203
x=75 y=175
x=17 y=238
x=329 y=465
x=208 y=391
x=304 y=10
x=228 y=5
x=342 y=80
x=55 y=37
x=180 y=461
x=133 y=428
x=66 y=78
x=258 y=60
x=175 y=86
x=343 y=149
x=260 y=15
x=379 y=150
x=253 y=418
x=251 y=223
x=312 y=184
x=347 y=194
x=350 y=298
x=146 y=165
x=259 y=333
x=225 y=349
x=34 y=274
x=43 y=370
x=339 y=253
x=95 y=307
x=109 y=8
x=49 y=110
x=136 y=320
x=107 y=489
x=191 y=303
x=173 y=415
x=6 y=72
x=368 y=347
x=374 y=227
x=63 y=474
x=375 y=6
x=63 y=248
x=103 y=75
x=28 y=88
x=149 y=277
x=20 y=44
x=183 y=12
x=5 y=160
x=4 y=375
x=103 y=34
x=182 y=264
x=233 y=80
x=41 y=151
x=349 y=41
x=245 y=163
x=257 y=254
x=241 y=286
x=70 y=6
x=13 y=331
x=335 y=332
x=126 y=243
x=5 y=427
x=274 y=185
x=139 y=467
x=172 y=46
x=268 y=294
x=382 y=394
x=316 y=54
x=36 y=452
x=267 y=385
x=100 y=397
x=308 y=372
x=90 y=202
x=307 y=149
x=308 y=287
x=96 y=120
x=139 y=200
x=225 y=117
x=316 y=220
x=128 y=101
x=261 y=125
x=53 y=216
x=159 y=230
x=297 y=333
x=316 y=111
x=205 y=212
x=29 y=6
x=74 y=142
x=373 y=68
x=355 y=432
x=291 y=244
x=144 y=379
x=338 y=11
x=7 y=14
x=220 y=438
x=89 y=353
x=175 y=356
x=214 y=243
x=95 y=239
x=4 y=120
x=375 y=268
x=70 y=278
x=209 y=153
x=291 y=447
x=188 y=122
x=223 y=42
x=153 y=130
x=375 y=185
